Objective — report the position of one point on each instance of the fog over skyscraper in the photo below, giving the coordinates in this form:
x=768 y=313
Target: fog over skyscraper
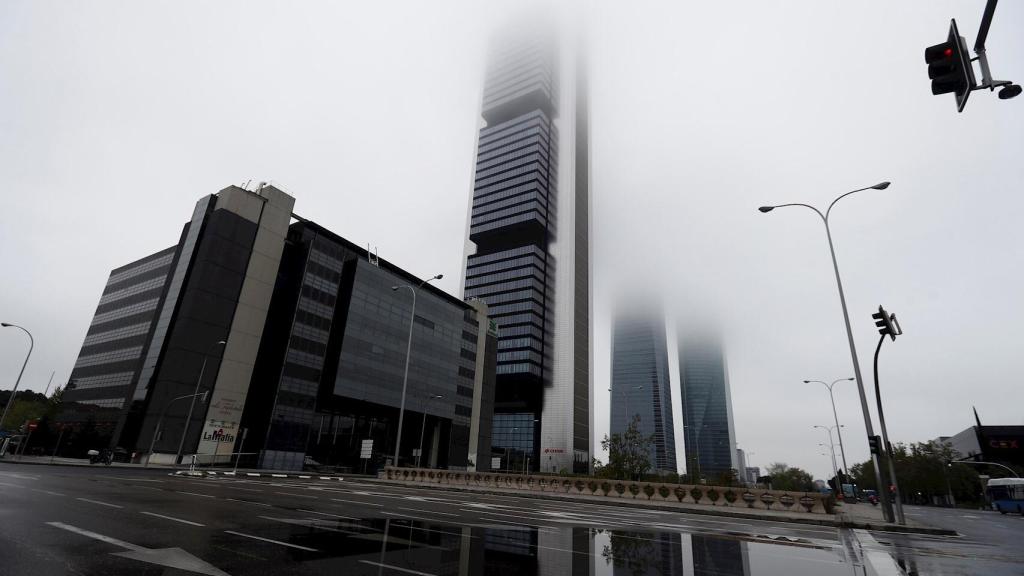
x=530 y=256
x=641 y=385
x=708 y=429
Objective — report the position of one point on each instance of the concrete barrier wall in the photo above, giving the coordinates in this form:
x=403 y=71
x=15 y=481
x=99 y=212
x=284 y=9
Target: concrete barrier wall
x=689 y=494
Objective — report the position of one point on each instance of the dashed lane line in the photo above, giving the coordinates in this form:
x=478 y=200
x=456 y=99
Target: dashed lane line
x=428 y=511
x=189 y=522
x=396 y=568
x=357 y=502
x=278 y=542
x=100 y=503
x=50 y=492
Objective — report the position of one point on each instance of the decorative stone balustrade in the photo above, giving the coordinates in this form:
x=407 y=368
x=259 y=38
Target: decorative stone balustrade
x=688 y=494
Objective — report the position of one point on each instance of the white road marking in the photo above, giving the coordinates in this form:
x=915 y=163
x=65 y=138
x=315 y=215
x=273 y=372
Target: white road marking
x=326 y=514
x=356 y=502
x=51 y=493
x=398 y=568
x=296 y=495
x=195 y=494
x=19 y=476
x=272 y=541
x=95 y=536
x=100 y=503
x=169 y=557
x=11 y=485
x=126 y=478
x=189 y=522
x=428 y=511
x=247 y=489
x=249 y=502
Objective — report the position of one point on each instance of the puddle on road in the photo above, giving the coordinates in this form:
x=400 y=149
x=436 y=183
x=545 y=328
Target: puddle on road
x=408 y=546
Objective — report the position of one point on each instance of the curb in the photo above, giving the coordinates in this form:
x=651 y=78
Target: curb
x=720 y=512
x=205 y=473
x=885 y=527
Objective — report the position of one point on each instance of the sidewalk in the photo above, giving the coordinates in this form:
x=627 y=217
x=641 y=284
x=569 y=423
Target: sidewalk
x=864 y=515
x=176 y=470
x=848 y=519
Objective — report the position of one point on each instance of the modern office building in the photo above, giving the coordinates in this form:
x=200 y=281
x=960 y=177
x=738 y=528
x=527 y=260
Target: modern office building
x=741 y=465
x=202 y=305
x=296 y=341
x=708 y=429
x=529 y=251
x=753 y=473
x=108 y=365
x=332 y=365
x=641 y=386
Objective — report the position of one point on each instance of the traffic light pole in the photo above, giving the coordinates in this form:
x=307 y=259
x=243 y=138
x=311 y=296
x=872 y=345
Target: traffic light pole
x=897 y=497
x=883 y=495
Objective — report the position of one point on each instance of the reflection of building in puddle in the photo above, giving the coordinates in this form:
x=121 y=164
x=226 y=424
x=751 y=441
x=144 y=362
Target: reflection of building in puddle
x=526 y=551
x=643 y=554
x=716 y=556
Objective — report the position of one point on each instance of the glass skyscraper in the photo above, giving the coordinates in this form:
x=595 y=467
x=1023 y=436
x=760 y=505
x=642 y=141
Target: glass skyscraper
x=707 y=407
x=530 y=257
x=641 y=385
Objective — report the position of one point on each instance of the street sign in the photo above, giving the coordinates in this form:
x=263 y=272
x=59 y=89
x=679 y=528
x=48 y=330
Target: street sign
x=496 y=463
x=366 y=450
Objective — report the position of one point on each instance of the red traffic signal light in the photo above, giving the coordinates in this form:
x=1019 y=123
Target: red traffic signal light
x=950 y=68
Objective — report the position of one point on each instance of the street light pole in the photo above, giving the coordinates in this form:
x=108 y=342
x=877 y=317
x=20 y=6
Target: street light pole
x=408 y=353
x=832 y=447
x=979 y=462
x=839 y=433
x=160 y=423
x=191 y=407
x=423 y=427
x=31 y=345
x=886 y=504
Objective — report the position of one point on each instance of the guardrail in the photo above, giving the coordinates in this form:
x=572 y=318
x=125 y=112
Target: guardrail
x=600 y=488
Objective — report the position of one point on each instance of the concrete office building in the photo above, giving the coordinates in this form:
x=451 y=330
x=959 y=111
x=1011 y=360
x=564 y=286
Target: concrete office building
x=641 y=386
x=741 y=465
x=707 y=406
x=529 y=251
x=290 y=329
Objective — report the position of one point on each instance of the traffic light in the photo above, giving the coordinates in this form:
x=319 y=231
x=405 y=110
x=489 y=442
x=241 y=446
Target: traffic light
x=874 y=443
x=950 y=68
x=887 y=324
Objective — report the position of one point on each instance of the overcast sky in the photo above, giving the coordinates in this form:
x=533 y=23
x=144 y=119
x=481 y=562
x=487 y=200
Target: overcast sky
x=115 y=117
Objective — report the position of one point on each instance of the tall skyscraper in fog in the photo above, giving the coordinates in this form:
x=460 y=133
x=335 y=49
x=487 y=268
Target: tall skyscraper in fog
x=641 y=385
x=707 y=406
x=530 y=256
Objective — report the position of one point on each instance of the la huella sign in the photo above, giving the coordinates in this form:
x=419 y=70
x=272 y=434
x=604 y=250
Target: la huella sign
x=219 y=436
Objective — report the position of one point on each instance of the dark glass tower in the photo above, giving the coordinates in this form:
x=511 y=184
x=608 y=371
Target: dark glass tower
x=530 y=228
x=641 y=385
x=707 y=407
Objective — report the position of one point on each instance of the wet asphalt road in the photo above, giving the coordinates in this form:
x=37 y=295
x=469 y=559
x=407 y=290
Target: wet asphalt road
x=66 y=520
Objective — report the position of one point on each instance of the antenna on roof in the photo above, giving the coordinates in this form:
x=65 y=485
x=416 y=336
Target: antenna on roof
x=372 y=256
x=246 y=185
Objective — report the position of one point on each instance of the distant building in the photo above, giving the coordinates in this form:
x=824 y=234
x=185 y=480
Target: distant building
x=741 y=465
x=297 y=339
x=640 y=384
x=753 y=473
x=707 y=406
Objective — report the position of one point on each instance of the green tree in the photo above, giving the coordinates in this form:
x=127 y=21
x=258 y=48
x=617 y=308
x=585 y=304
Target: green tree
x=790 y=479
x=925 y=475
x=628 y=452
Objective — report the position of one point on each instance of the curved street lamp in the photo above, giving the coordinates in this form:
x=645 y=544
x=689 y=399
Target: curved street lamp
x=886 y=504
x=31 y=345
x=408 y=352
x=842 y=450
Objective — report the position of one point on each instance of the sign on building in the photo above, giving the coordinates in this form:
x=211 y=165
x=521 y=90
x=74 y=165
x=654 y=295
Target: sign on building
x=366 y=451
